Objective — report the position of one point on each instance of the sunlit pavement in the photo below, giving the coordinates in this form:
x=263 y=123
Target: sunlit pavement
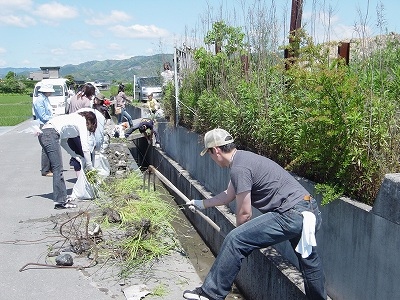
x=4 y=129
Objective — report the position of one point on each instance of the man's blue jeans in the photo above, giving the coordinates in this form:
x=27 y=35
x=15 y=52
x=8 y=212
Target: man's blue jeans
x=50 y=142
x=124 y=114
x=263 y=231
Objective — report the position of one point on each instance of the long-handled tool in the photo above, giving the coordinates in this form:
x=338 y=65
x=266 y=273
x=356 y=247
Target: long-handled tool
x=186 y=199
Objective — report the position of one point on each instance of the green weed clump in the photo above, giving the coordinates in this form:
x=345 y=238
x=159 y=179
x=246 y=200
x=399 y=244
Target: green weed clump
x=143 y=231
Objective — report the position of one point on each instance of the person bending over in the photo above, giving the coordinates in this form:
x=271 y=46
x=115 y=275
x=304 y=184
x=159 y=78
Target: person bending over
x=256 y=181
x=146 y=127
x=55 y=134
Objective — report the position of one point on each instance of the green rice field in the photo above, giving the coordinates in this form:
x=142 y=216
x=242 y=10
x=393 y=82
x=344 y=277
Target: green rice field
x=14 y=109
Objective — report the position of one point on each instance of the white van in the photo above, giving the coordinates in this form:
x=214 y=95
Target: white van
x=149 y=85
x=58 y=99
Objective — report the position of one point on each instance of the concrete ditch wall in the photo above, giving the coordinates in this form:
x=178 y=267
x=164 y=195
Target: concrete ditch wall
x=359 y=245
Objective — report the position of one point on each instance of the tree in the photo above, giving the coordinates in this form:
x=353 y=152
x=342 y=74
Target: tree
x=70 y=79
x=228 y=38
x=10 y=76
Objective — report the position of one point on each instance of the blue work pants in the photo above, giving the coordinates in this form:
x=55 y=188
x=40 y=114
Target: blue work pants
x=266 y=230
x=50 y=142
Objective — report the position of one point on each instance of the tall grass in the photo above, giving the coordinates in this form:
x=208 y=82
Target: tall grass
x=14 y=109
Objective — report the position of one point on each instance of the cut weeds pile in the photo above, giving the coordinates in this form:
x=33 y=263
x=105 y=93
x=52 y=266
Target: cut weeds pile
x=136 y=223
x=125 y=226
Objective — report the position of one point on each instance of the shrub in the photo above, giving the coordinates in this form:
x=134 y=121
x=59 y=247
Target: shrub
x=332 y=123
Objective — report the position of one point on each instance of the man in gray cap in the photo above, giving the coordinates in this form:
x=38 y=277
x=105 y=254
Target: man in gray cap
x=256 y=181
x=43 y=113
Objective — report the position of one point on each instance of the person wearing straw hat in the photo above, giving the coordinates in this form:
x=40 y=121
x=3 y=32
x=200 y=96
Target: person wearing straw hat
x=43 y=113
x=256 y=181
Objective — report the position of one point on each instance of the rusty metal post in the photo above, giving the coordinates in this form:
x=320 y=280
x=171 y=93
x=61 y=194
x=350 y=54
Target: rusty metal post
x=245 y=65
x=344 y=51
x=295 y=24
x=296 y=15
x=217 y=47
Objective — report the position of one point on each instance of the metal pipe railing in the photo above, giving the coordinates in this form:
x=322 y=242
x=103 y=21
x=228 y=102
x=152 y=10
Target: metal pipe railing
x=186 y=199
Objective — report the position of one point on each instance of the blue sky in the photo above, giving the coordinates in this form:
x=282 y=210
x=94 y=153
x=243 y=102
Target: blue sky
x=55 y=33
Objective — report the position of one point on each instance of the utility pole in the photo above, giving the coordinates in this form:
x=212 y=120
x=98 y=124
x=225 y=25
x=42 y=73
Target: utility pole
x=295 y=24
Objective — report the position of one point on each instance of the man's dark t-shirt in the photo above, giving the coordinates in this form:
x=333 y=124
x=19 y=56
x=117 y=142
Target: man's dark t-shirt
x=272 y=187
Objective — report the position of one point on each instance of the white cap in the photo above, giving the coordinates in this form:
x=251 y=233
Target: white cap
x=215 y=138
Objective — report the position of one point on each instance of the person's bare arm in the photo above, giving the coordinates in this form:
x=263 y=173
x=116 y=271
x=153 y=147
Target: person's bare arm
x=243 y=208
x=222 y=198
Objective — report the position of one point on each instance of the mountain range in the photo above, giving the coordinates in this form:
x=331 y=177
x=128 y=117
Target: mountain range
x=107 y=70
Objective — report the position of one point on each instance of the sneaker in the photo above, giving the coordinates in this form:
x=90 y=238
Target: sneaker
x=48 y=174
x=196 y=294
x=66 y=204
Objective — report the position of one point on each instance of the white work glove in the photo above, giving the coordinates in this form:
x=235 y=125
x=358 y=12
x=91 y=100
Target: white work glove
x=88 y=165
x=199 y=204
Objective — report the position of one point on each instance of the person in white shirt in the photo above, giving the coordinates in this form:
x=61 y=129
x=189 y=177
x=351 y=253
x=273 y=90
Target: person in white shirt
x=96 y=140
x=55 y=134
x=167 y=75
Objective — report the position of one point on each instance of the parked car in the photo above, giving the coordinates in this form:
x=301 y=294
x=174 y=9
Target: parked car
x=147 y=85
x=58 y=99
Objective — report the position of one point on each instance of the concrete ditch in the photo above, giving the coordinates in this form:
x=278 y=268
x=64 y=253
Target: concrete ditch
x=265 y=274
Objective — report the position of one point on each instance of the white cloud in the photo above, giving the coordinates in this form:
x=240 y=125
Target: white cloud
x=18 y=21
x=122 y=56
x=57 y=51
x=82 y=45
x=26 y=62
x=55 y=11
x=114 y=46
x=325 y=27
x=2 y=63
x=2 y=50
x=115 y=17
x=139 y=31
x=149 y=51
x=7 y=6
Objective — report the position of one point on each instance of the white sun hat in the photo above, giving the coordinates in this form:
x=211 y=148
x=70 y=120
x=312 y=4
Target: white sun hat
x=46 y=88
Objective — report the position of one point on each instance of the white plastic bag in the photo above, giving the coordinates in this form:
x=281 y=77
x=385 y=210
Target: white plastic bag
x=119 y=131
x=33 y=129
x=82 y=189
x=101 y=164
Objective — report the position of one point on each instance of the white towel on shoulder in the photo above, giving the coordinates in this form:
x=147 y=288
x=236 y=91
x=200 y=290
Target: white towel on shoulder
x=307 y=240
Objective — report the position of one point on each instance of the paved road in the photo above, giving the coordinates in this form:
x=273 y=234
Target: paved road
x=26 y=230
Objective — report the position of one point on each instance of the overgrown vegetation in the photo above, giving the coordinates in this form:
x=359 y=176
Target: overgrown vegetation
x=333 y=123
x=139 y=222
